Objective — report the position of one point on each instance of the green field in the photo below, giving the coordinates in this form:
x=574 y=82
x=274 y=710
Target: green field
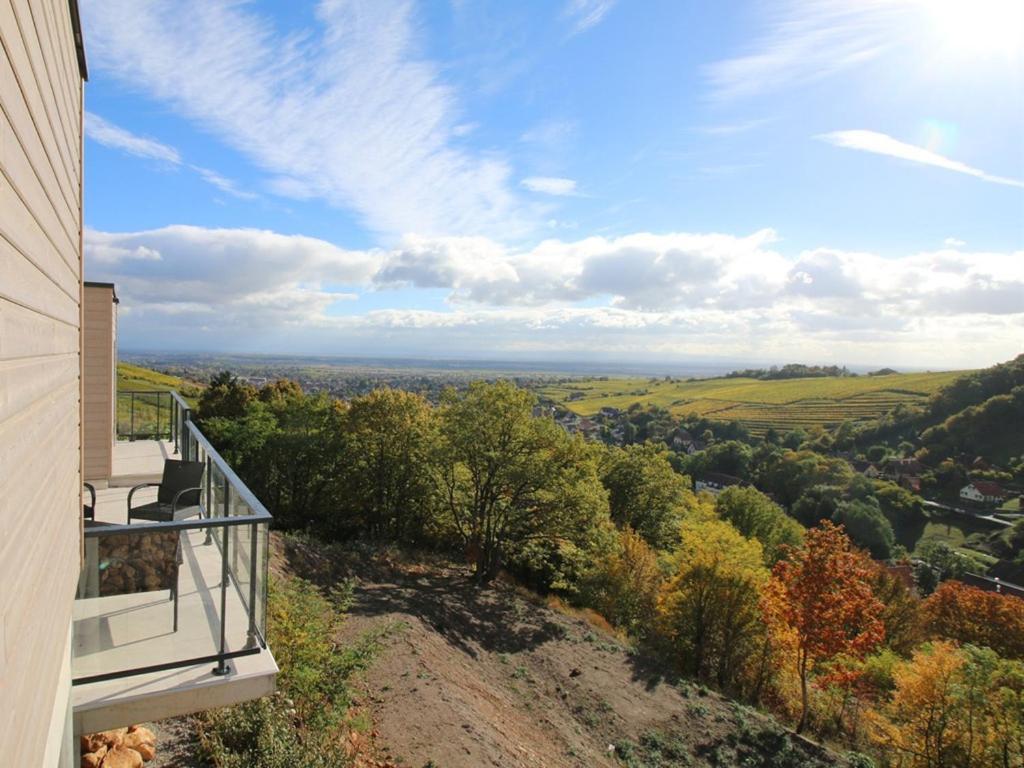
x=758 y=405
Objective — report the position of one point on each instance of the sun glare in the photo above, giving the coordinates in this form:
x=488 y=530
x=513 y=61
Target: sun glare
x=978 y=28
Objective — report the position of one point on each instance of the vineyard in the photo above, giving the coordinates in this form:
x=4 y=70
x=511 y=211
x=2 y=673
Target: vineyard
x=758 y=405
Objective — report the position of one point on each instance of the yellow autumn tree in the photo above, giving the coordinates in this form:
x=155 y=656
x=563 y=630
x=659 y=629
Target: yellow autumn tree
x=623 y=584
x=708 y=610
x=953 y=708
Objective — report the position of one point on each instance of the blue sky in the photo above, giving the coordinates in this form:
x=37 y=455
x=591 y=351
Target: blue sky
x=815 y=180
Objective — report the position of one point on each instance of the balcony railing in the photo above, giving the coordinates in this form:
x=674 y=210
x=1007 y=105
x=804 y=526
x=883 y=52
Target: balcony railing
x=150 y=414
x=158 y=596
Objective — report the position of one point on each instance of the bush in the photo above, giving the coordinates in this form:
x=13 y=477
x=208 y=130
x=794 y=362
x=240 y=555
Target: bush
x=302 y=725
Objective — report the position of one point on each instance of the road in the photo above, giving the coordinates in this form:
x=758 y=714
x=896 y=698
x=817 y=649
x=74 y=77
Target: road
x=967 y=513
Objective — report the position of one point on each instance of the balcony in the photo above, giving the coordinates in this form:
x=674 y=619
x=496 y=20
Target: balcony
x=170 y=617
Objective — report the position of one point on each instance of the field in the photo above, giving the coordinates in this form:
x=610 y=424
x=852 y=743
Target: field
x=758 y=405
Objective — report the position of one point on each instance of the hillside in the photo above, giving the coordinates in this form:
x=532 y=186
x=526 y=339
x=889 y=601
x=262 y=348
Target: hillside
x=758 y=404
x=493 y=677
x=135 y=377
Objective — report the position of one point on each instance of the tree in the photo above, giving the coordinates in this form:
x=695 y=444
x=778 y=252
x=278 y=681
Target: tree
x=819 y=502
x=757 y=517
x=623 y=585
x=225 y=397
x=966 y=614
x=708 y=610
x=867 y=526
x=507 y=479
x=953 y=708
x=287 y=451
x=390 y=442
x=821 y=594
x=645 y=493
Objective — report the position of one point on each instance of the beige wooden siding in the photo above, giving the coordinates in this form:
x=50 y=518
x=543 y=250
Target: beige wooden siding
x=40 y=364
x=98 y=361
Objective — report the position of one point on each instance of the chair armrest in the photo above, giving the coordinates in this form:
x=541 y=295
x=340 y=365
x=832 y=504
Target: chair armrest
x=92 y=494
x=139 y=487
x=179 y=494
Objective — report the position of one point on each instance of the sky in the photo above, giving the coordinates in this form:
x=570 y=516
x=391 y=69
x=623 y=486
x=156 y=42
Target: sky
x=818 y=181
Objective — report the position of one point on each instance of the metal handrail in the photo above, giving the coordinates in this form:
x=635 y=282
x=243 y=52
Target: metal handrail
x=229 y=474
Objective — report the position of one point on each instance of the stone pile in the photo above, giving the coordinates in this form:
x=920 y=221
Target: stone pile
x=120 y=748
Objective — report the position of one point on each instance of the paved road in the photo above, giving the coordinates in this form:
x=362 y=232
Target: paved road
x=967 y=513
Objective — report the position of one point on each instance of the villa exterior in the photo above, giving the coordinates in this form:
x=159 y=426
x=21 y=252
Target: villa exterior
x=87 y=640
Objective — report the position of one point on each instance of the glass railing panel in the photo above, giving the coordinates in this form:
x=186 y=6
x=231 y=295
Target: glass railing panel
x=155 y=595
x=145 y=415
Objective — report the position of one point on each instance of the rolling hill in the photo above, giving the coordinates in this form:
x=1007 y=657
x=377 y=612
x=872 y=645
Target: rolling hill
x=757 y=404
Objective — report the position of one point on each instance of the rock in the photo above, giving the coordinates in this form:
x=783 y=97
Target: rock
x=93 y=759
x=142 y=740
x=575 y=672
x=122 y=757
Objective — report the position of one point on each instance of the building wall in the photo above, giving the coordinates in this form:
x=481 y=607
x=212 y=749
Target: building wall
x=99 y=361
x=40 y=321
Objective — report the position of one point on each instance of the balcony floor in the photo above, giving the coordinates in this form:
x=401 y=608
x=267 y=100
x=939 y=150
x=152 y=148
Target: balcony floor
x=128 y=631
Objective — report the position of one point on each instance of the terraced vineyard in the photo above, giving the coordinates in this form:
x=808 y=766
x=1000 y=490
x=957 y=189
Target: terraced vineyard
x=758 y=405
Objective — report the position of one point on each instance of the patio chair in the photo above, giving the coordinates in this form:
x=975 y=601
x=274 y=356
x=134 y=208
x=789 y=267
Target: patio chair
x=177 y=497
x=89 y=510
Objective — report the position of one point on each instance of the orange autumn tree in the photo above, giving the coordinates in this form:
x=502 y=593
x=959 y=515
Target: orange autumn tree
x=820 y=595
x=969 y=615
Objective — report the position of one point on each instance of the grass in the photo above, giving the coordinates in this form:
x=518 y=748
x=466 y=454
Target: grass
x=758 y=405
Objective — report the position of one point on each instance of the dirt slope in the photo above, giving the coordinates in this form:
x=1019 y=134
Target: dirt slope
x=485 y=677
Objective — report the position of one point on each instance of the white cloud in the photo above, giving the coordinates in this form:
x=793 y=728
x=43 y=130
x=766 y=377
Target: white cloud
x=250 y=277
x=109 y=135
x=585 y=14
x=953 y=242
x=223 y=184
x=115 y=137
x=809 y=40
x=350 y=113
x=550 y=185
x=661 y=296
x=730 y=129
x=881 y=144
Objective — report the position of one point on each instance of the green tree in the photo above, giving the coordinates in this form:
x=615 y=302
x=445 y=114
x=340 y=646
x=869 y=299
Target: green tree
x=758 y=517
x=288 y=452
x=225 y=397
x=390 y=443
x=866 y=526
x=645 y=493
x=507 y=479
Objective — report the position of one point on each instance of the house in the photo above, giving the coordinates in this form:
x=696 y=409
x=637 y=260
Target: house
x=865 y=468
x=85 y=644
x=715 y=482
x=610 y=412
x=896 y=468
x=911 y=483
x=983 y=492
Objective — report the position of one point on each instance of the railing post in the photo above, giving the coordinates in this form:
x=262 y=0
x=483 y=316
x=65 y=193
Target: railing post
x=250 y=640
x=131 y=432
x=222 y=665
x=209 y=496
x=159 y=433
x=175 y=431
